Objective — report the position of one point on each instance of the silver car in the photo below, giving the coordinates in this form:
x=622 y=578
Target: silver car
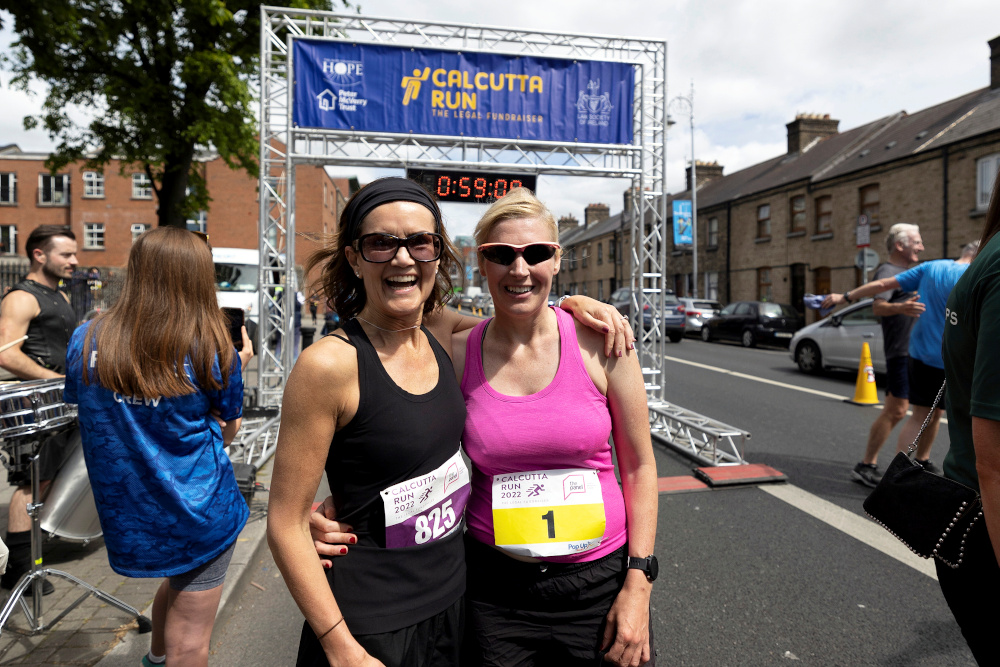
x=697 y=311
x=836 y=341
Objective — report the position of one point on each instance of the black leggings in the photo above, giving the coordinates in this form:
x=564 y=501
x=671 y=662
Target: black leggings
x=972 y=592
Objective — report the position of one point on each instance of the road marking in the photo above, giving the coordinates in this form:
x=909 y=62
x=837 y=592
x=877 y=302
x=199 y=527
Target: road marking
x=858 y=527
x=785 y=385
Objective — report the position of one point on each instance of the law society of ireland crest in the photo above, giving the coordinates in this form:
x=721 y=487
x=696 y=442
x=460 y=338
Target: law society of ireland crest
x=594 y=108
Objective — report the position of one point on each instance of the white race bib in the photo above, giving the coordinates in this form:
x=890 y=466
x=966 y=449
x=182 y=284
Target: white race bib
x=548 y=512
x=426 y=508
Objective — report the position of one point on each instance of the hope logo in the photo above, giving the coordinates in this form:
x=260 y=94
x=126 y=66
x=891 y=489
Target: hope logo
x=343 y=72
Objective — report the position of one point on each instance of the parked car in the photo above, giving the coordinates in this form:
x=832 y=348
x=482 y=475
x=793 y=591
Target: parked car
x=672 y=317
x=836 y=341
x=697 y=311
x=753 y=322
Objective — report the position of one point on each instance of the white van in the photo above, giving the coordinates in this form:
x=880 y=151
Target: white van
x=236 y=279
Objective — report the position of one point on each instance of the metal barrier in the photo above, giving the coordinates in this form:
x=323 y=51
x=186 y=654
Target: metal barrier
x=703 y=439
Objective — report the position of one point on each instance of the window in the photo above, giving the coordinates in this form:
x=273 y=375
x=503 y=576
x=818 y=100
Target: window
x=618 y=253
x=584 y=292
x=600 y=254
x=585 y=252
x=764 y=292
x=860 y=317
x=198 y=223
x=764 y=221
x=138 y=229
x=797 y=214
x=824 y=214
x=93 y=184
x=93 y=236
x=8 y=240
x=869 y=203
x=822 y=276
x=611 y=251
x=600 y=290
x=53 y=190
x=713 y=232
x=142 y=187
x=8 y=188
x=712 y=285
x=987 y=169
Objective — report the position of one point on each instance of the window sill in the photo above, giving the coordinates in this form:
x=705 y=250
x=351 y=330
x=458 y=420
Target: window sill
x=795 y=234
x=875 y=227
x=977 y=213
x=93 y=197
x=762 y=239
x=821 y=237
x=8 y=203
x=50 y=205
x=149 y=198
x=712 y=248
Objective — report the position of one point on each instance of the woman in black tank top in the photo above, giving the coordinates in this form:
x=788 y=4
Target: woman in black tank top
x=378 y=408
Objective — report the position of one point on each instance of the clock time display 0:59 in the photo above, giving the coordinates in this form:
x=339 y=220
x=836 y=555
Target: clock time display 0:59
x=469 y=186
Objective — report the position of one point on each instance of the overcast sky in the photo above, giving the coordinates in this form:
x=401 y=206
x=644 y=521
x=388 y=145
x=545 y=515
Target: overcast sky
x=754 y=63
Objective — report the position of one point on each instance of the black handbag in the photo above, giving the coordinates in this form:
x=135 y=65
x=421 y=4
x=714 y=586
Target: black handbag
x=930 y=514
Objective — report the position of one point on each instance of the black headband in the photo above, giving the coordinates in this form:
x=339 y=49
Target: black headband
x=384 y=191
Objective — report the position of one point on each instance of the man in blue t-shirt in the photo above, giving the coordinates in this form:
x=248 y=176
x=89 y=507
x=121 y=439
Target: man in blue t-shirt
x=933 y=281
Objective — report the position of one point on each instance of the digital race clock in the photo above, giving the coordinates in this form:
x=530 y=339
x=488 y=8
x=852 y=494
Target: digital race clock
x=470 y=186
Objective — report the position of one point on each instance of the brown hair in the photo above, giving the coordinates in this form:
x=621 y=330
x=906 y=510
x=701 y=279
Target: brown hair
x=42 y=235
x=167 y=316
x=518 y=203
x=345 y=291
x=992 y=224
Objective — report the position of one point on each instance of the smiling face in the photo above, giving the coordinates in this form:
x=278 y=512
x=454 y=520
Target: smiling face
x=520 y=288
x=397 y=289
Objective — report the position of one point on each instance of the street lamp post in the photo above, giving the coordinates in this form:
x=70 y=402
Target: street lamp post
x=689 y=101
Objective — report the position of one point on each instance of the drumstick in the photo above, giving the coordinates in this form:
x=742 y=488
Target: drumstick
x=12 y=343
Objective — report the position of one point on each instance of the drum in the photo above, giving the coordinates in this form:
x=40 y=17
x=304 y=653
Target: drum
x=69 y=511
x=30 y=412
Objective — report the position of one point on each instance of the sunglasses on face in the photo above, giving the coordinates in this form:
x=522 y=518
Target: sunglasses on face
x=381 y=248
x=505 y=253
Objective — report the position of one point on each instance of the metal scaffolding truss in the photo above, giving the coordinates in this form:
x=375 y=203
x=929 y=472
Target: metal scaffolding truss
x=707 y=441
x=284 y=145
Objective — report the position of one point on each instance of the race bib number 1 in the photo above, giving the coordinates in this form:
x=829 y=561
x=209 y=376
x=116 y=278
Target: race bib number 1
x=548 y=512
x=426 y=508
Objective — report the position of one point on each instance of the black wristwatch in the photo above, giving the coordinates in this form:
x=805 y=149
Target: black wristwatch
x=649 y=565
x=847 y=297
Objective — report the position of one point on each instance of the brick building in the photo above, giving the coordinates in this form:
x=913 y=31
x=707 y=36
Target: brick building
x=786 y=226
x=108 y=209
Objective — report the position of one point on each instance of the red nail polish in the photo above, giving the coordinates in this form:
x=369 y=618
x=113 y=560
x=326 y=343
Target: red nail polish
x=606 y=329
x=353 y=540
x=343 y=550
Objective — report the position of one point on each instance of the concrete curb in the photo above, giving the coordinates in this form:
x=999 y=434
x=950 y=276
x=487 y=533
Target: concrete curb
x=133 y=646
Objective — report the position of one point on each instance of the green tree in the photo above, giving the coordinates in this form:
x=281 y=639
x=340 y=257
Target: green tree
x=162 y=79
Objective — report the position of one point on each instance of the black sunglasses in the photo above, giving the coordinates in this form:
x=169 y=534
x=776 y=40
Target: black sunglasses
x=505 y=253
x=381 y=248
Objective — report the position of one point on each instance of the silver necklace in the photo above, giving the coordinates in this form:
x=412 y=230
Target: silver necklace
x=358 y=317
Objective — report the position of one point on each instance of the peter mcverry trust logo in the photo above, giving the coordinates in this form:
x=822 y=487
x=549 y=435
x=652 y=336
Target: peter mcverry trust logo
x=341 y=74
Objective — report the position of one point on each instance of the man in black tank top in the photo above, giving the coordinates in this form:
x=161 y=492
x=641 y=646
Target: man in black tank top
x=35 y=307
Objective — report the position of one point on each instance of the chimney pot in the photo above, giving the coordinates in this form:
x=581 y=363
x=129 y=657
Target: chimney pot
x=994 y=63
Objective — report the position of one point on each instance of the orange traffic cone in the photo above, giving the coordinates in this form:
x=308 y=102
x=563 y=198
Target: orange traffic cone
x=864 y=389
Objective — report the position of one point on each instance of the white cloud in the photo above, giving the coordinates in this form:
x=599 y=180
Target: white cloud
x=755 y=64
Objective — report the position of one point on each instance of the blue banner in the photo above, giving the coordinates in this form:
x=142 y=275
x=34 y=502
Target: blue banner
x=682 y=222
x=378 y=88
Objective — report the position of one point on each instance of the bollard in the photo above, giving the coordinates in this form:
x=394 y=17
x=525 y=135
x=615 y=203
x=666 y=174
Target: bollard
x=865 y=392
x=307 y=336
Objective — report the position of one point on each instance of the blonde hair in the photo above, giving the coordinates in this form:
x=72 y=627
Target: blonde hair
x=516 y=204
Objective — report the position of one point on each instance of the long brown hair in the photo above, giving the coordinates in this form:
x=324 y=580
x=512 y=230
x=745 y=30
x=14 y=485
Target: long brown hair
x=992 y=224
x=167 y=315
x=338 y=284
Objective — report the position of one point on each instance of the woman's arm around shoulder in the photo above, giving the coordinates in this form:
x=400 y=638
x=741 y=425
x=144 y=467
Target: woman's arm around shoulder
x=321 y=395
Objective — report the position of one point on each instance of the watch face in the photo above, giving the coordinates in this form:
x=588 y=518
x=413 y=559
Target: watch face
x=654 y=568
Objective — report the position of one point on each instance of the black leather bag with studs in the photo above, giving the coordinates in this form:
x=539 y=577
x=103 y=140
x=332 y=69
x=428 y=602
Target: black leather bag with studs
x=930 y=514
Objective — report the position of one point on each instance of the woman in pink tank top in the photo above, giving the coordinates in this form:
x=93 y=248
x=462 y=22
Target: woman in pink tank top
x=550 y=532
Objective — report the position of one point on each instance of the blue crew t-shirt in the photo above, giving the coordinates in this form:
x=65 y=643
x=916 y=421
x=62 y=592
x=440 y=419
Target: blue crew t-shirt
x=933 y=281
x=164 y=488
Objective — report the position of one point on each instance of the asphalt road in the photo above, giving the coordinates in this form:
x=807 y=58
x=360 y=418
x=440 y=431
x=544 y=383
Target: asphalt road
x=748 y=576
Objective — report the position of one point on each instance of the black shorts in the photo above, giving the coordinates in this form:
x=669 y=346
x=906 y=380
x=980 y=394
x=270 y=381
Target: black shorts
x=897 y=377
x=434 y=642
x=540 y=614
x=51 y=457
x=925 y=381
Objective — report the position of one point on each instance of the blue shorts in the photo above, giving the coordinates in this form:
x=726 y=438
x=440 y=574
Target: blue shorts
x=207 y=575
x=897 y=377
